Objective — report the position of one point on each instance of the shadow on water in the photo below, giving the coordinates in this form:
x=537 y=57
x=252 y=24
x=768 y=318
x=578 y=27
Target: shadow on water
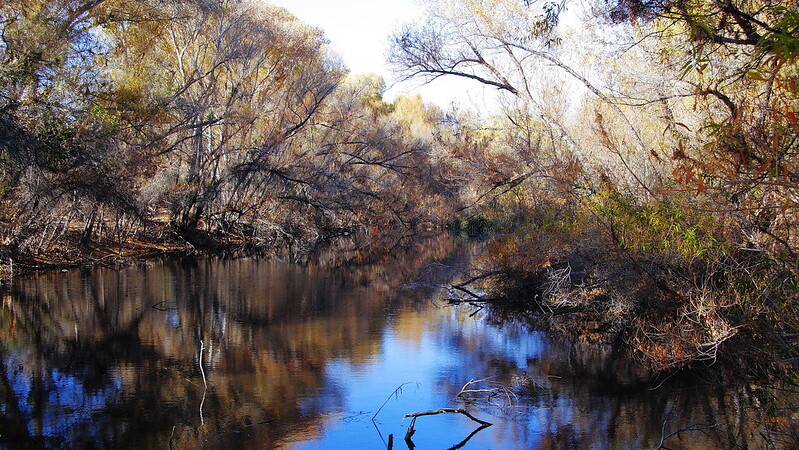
x=256 y=353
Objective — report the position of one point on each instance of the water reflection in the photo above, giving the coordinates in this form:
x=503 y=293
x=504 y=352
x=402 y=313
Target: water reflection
x=304 y=357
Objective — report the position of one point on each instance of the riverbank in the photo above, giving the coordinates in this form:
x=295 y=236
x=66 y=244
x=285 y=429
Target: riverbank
x=670 y=315
x=729 y=323
x=160 y=239
x=70 y=252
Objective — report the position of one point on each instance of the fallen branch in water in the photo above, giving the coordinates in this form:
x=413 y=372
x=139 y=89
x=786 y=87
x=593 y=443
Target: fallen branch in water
x=478 y=302
x=470 y=392
x=474 y=296
x=416 y=415
x=695 y=427
x=468 y=292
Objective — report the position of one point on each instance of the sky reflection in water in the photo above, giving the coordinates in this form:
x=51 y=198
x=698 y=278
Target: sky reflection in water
x=445 y=353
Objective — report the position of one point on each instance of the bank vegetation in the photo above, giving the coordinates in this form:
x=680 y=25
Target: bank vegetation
x=646 y=159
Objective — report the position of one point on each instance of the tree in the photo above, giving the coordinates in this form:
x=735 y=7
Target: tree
x=53 y=147
x=510 y=49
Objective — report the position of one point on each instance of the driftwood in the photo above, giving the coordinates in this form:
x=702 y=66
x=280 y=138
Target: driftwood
x=416 y=415
x=475 y=297
x=469 y=393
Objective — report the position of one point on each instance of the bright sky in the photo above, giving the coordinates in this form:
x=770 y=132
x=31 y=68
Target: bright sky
x=359 y=30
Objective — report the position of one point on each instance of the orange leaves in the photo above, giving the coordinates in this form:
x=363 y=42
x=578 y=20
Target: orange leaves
x=679 y=152
x=791 y=115
x=686 y=172
x=763 y=169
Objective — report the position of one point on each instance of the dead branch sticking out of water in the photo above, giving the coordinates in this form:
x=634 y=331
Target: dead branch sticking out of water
x=205 y=383
x=472 y=392
x=394 y=394
x=416 y=415
x=695 y=427
x=473 y=296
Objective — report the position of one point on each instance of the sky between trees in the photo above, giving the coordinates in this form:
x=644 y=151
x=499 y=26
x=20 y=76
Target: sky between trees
x=359 y=32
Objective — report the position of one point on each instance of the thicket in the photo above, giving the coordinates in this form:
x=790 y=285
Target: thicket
x=130 y=125
x=647 y=158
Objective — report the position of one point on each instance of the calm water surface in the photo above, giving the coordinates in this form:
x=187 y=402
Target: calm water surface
x=248 y=353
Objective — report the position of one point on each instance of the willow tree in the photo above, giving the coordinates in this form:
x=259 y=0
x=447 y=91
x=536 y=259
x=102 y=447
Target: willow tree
x=54 y=150
x=231 y=83
x=521 y=49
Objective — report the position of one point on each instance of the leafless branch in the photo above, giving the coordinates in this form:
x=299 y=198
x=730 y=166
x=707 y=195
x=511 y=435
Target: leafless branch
x=416 y=415
x=395 y=393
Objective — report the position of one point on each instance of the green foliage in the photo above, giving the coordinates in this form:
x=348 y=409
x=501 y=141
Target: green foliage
x=669 y=226
x=473 y=225
x=783 y=39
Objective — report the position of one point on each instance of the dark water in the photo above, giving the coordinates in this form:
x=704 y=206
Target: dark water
x=247 y=353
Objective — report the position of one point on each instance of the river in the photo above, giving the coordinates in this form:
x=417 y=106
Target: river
x=202 y=352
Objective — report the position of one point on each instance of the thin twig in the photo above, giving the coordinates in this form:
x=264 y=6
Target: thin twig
x=162 y=302
x=205 y=383
x=468 y=292
x=479 y=277
x=468 y=438
x=479 y=308
x=396 y=392
x=695 y=427
x=172 y=437
x=498 y=389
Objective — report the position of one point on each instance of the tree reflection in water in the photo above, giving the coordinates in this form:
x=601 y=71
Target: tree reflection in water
x=306 y=354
